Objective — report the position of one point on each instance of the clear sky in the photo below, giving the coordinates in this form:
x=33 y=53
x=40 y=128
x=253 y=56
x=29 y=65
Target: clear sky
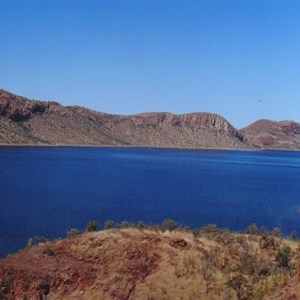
x=239 y=59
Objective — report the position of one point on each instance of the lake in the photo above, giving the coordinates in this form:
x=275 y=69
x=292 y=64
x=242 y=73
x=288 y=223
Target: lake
x=47 y=190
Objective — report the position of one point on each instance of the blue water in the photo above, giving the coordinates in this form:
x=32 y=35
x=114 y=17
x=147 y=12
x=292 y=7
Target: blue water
x=45 y=191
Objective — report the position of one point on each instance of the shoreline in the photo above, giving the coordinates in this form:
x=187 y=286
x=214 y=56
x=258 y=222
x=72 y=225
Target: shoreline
x=147 y=147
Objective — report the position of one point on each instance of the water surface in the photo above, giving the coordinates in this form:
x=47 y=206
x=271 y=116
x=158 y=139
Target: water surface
x=46 y=190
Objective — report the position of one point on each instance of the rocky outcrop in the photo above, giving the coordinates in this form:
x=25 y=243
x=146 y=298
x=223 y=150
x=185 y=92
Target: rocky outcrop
x=19 y=108
x=192 y=120
x=273 y=135
x=24 y=121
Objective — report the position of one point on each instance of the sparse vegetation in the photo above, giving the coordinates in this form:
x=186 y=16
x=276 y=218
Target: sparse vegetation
x=169 y=224
x=48 y=251
x=252 y=229
x=73 y=232
x=205 y=263
x=125 y=224
x=108 y=224
x=276 y=232
x=36 y=240
x=283 y=258
x=293 y=235
x=92 y=226
x=141 y=225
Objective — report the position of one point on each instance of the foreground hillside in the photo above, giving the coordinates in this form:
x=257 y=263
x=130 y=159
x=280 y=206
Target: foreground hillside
x=133 y=263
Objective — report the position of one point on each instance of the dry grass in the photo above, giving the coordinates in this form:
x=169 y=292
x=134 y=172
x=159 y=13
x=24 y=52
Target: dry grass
x=134 y=264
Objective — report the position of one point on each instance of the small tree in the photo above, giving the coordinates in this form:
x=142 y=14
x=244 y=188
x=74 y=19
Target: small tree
x=48 y=251
x=252 y=229
x=276 y=232
x=141 y=225
x=118 y=225
x=92 y=226
x=293 y=235
x=210 y=228
x=169 y=224
x=196 y=232
x=240 y=284
x=125 y=224
x=264 y=231
x=283 y=258
x=108 y=224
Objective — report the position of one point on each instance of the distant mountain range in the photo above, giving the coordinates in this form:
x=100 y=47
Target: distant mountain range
x=24 y=121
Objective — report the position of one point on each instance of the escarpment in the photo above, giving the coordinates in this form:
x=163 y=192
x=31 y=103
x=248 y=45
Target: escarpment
x=25 y=121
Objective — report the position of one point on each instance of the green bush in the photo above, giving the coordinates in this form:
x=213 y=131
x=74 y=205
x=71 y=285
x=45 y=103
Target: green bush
x=108 y=224
x=276 y=232
x=92 y=226
x=169 y=224
x=283 y=258
x=48 y=251
x=125 y=224
x=252 y=229
x=118 y=226
x=141 y=225
x=293 y=235
x=210 y=228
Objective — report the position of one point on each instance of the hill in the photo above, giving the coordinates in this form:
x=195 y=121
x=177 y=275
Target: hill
x=273 y=135
x=147 y=263
x=24 y=121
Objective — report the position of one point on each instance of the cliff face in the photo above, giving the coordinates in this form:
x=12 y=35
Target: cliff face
x=273 y=135
x=24 y=121
x=19 y=108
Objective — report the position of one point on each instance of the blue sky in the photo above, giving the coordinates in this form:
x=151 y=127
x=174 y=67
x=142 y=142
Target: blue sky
x=128 y=57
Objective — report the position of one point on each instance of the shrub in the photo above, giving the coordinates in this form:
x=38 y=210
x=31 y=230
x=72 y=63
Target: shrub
x=118 y=226
x=186 y=228
x=108 y=224
x=240 y=285
x=125 y=224
x=268 y=242
x=225 y=237
x=73 y=232
x=293 y=235
x=196 y=233
x=141 y=225
x=92 y=226
x=252 y=229
x=283 y=258
x=276 y=232
x=34 y=241
x=48 y=251
x=154 y=227
x=264 y=271
x=210 y=228
x=264 y=231
x=169 y=224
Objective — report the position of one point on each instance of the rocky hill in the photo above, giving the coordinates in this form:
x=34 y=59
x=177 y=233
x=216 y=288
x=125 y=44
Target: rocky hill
x=149 y=263
x=25 y=121
x=273 y=135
